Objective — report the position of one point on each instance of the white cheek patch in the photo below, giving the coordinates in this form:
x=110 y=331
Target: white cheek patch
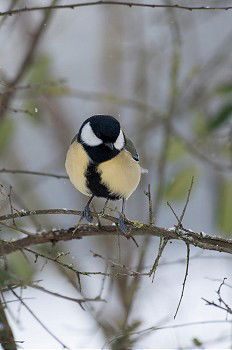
x=120 y=142
x=88 y=136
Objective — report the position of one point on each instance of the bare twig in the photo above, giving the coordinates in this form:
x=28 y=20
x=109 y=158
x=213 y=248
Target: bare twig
x=10 y=203
x=157 y=328
x=6 y=335
x=79 y=301
x=221 y=302
x=129 y=271
x=185 y=278
x=32 y=86
x=187 y=201
x=38 y=320
x=28 y=172
x=16 y=228
x=67 y=266
x=180 y=220
x=150 y=205
x=162 y=245
x=212 y=303
x=173 y=212
x=113 y=3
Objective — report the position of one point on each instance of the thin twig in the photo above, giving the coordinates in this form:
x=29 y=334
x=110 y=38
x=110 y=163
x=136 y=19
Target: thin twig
x=38 y=320
x=68 y=266
x=16 y=228
x=212 y=303
x=157 y=328
x=187 y=201
x=162 y=245
x=113 y=3
x=109 y=261
x=185 y=278
x=225 y=306
x=79 y=301
x=173 y=212
x=180 y=220
x=10 y=202
x=150 y=205
x=6 y=335
x=28 y=172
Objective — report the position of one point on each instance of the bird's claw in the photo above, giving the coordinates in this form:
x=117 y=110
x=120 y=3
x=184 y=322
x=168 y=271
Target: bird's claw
x=86 y=214
x=121 y=224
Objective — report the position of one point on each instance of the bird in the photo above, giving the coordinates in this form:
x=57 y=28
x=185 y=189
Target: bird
x=102 y=162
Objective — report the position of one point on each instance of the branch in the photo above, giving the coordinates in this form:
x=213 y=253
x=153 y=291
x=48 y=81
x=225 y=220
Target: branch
x=28 y=172
x=6 y=334
x=27 y=60
x=138 y=229
x=162 y=245
x=185 y=278
x=112 y=3
x=38 y=320
x=79 y=301
x=221 y=302
x=158 y=328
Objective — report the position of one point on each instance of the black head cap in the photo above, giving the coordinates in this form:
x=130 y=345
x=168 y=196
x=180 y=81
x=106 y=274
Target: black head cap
x=98 y=135
x=105 y=127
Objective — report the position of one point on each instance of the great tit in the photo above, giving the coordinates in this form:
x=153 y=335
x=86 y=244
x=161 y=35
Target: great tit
x=102 y=162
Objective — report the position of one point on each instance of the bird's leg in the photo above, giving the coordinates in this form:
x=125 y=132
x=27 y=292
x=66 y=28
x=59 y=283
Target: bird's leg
x=121 y=219
x=86 y=212
x=104 y=208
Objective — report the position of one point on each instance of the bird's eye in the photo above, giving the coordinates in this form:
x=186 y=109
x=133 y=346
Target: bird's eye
x=88 y=136
x=120 y=142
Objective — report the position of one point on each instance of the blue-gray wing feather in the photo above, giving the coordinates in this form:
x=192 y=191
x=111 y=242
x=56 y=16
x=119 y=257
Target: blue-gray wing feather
x=129 y=146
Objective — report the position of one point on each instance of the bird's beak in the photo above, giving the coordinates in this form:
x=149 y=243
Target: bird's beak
x=110 y=145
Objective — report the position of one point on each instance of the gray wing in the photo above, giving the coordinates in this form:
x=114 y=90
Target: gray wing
x=129 y=146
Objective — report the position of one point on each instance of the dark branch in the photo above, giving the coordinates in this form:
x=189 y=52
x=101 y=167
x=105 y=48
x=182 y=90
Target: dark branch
x=38 y=320
x=192 y=238
x=185 y=278
x=6 y=334
x=112 y=3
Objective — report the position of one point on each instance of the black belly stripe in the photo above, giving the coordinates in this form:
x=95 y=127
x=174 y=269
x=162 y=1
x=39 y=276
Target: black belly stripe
x=93 y=181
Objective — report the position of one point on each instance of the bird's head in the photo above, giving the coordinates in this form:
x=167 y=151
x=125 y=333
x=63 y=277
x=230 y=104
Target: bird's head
x=102 y=137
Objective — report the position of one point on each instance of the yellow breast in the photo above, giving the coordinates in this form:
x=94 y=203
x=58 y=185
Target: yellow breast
x=76 y=165
x=121 y=174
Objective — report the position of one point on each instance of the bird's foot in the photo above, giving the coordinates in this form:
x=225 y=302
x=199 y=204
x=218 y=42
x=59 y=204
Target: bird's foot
x=122 y=225
x=86 y=214
x=123 y=228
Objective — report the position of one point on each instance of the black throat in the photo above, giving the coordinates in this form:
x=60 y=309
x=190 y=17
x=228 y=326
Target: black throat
x=100 y=153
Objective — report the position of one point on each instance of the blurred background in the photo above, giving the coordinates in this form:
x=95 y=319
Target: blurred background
x=166 y=74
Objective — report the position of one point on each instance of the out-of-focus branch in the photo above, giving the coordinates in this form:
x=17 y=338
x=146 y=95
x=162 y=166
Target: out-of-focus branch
x=197 y=239
x=6 y=335
x=28 y=172
x=55 y=294
x=158 y=328
x=191 y=146
x=113 y=3
x=28 y=57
